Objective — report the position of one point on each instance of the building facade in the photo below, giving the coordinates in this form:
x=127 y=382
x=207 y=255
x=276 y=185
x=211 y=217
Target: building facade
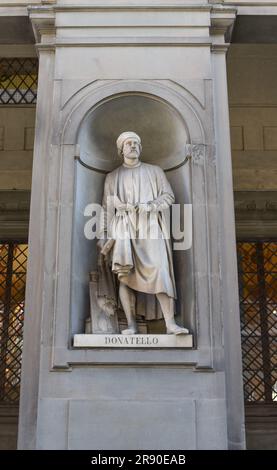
x=197 y=80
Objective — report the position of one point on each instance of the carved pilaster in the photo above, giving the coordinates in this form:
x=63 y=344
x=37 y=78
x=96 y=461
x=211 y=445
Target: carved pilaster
x=199 y=153
x=196 y=153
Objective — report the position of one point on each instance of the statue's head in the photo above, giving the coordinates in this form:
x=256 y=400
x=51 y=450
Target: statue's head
x=129 y=145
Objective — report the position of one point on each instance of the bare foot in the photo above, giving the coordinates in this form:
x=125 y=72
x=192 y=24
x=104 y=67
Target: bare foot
x=129 y=331
x=177 y=330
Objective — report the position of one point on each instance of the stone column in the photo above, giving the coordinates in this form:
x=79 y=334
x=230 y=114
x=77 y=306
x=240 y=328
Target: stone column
x=31 y=365
x=228 y=256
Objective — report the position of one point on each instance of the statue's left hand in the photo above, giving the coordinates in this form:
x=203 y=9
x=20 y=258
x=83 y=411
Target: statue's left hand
x=146 y=207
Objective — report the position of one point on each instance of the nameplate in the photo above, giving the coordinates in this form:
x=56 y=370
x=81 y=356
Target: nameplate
x=132 y=341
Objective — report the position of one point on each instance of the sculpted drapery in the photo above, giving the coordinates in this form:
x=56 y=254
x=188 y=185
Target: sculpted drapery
x=143 y=264
x=135 y=240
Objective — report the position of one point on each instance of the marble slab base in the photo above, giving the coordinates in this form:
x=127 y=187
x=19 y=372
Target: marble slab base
x=133 y=341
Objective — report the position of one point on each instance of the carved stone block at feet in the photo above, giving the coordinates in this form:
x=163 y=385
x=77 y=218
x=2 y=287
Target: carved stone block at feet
x=129 y=331
x=177 y=330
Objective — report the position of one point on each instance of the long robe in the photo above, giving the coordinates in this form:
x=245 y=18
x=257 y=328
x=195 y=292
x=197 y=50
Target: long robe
x=143 y=264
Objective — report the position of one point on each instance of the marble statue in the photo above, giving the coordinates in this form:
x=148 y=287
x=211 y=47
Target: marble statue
x=139 y=193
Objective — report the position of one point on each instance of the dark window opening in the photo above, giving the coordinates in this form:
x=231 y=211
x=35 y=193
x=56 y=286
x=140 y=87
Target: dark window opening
x=13 y=265
x=257 y=268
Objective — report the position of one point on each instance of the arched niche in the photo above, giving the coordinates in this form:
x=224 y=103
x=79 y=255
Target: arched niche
x=164 y=132
x=161 y=128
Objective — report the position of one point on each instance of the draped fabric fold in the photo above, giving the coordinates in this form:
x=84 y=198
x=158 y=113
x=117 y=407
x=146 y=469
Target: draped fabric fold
x=138 y=243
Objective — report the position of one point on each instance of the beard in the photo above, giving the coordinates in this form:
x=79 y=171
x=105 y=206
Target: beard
x=132 y=154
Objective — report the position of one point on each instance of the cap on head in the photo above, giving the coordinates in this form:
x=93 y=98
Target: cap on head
x=124 y=136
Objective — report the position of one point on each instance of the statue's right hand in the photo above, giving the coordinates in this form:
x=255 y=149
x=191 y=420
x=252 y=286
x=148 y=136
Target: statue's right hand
x=122 y=206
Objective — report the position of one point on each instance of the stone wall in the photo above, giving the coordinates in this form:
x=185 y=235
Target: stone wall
x=16 y=146
x=252 y=69
x=8 y=427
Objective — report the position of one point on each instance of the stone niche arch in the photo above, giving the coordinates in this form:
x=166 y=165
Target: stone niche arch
x=165 y=116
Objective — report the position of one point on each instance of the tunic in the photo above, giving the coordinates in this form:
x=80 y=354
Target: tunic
x=142 y=263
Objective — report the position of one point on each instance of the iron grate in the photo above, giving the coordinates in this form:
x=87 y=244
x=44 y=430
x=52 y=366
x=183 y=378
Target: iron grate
x=18 y=81
x=13 y=262
x=257 y=268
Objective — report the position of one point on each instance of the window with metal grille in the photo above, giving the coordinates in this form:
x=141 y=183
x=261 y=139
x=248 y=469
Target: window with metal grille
x=18 y=81
x=257 y=267
x=13 y=261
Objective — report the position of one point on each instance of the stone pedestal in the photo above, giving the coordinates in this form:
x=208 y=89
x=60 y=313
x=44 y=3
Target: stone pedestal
x=133 y=341
x=161 y=70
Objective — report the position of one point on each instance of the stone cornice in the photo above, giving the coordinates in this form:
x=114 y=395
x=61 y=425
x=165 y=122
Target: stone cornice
x=249 y=201
x=126 y=5
x=220 y=48
x=256 y=213
x=43 y=22
x=222 y=23
x=244 y=3
x=14 y=201
x=135 y=42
